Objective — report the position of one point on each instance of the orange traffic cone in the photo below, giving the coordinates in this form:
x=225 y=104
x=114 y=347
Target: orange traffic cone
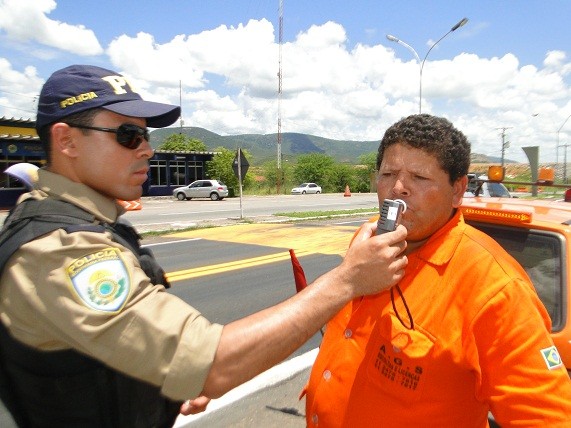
x=347 y=191
x=131 y=205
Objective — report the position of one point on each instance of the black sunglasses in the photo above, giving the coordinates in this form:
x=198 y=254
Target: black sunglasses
x=128 y=135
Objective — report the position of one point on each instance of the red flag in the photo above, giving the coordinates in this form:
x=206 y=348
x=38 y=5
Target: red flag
x=298 y=273
x=300 y=282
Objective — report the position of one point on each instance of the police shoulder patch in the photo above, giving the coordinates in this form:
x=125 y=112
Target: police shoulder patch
x=101 y=280
x=551 y=357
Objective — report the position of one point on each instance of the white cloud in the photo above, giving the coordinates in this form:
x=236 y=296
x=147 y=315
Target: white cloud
x=228 y=77
x=27 y=20
x=18 y=90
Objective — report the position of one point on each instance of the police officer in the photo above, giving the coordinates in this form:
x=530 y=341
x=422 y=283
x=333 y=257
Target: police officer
x=89 y=337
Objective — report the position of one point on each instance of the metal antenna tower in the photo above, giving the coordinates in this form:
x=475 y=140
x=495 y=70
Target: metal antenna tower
x=281 y=32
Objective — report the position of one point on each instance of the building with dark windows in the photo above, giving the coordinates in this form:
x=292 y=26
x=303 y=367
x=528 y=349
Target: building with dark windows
x=174 y=169
x=19 y=142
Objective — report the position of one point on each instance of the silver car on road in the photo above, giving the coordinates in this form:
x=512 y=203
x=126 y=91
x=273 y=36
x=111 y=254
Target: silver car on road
x=212 y=189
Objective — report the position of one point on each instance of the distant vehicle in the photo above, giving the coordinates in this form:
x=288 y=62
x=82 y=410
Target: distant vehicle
x=212 y=189
x=304 y=188
x=478 y=187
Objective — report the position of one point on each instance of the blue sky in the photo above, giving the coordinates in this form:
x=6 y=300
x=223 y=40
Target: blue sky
x=508 y=67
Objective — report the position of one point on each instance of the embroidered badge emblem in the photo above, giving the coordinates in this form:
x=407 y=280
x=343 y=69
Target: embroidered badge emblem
x=551 y=357
x=101 y=280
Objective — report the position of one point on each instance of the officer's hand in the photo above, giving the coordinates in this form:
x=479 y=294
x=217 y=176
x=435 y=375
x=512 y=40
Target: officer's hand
x=374 y=263
x=192 y=407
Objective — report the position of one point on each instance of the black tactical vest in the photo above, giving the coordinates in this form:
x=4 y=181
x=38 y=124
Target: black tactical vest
x=66 y=388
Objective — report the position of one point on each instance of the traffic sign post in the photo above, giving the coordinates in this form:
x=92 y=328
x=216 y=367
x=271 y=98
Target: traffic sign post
x=240 y=167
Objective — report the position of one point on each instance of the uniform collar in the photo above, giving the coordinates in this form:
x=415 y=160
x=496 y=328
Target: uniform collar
x=441 y=246
x=60 y=187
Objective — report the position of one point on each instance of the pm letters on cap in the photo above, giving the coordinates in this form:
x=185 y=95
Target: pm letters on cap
x=118 y=83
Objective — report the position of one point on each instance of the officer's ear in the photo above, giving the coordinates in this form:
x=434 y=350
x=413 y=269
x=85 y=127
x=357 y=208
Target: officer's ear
x=63 y=140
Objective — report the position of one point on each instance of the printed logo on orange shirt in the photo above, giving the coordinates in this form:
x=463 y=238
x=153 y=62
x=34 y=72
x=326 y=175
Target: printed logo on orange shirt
x=551 y=357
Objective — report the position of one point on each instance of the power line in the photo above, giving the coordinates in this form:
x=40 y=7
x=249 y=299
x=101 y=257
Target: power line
x=16 y=108
x=20 y=95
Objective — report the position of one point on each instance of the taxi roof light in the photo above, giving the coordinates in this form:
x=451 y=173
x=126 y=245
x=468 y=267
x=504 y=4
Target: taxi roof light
x=546 y=175
x=506 y=215
x=496 y=173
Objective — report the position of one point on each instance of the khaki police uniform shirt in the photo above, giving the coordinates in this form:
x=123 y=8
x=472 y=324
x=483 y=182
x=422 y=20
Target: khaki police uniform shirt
x=86 y=292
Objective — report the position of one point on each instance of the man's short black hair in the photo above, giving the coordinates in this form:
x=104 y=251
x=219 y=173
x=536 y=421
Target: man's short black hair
x=81 y=118
x=436 y=136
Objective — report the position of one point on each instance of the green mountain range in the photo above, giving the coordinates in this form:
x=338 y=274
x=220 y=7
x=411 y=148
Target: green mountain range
x=263 y=147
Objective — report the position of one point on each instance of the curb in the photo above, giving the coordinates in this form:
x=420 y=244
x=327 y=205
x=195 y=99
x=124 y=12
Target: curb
x=270 y=377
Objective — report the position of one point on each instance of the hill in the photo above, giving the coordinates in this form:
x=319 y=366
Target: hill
x=263 y=147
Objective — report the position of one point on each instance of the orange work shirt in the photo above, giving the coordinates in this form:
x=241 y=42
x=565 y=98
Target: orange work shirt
x=480 y=343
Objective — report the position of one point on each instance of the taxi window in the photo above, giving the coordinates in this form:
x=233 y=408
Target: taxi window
x=498 y=190
x=541 y=255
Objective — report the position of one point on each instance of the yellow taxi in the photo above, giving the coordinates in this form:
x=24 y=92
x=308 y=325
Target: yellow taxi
x=537 y=233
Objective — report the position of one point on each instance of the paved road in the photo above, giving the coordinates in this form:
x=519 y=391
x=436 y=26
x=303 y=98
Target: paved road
x=270 y=400
x=276 y=406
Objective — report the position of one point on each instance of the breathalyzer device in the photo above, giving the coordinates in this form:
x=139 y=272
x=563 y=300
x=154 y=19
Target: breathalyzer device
x=391 y=213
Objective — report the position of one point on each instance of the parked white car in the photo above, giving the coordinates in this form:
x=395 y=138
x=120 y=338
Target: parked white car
x=304 y=188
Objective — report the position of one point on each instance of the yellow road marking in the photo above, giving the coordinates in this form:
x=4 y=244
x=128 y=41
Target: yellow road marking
x=305 y=240
x=225 y=267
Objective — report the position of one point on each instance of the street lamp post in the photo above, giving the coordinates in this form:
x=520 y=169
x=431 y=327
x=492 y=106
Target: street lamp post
x=564 y=152
x=461 y=23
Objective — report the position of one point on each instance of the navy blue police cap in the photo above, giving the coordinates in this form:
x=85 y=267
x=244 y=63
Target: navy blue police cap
x=79 y=88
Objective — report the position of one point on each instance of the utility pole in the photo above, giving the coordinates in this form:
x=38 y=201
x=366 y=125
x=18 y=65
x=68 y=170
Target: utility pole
x=279 y=160
x=505 y=144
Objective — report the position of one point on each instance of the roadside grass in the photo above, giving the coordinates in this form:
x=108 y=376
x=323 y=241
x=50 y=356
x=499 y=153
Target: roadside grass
x=327 y=214
x=167 y=232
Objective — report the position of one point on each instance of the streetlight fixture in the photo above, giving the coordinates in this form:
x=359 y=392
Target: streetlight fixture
x=461 y=23
x=564 y=152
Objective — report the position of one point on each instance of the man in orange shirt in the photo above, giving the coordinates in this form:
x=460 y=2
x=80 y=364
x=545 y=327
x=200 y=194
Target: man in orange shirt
x=460 y=335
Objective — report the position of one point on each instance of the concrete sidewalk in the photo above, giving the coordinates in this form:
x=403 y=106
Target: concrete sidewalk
x=270 y=400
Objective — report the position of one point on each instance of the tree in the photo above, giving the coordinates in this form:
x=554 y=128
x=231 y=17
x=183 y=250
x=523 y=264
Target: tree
x=369 y=160
x=270 y=173
x=182 y=143
x=342 y=175
x=220 y=168
x=363 y=172
x=315 y=168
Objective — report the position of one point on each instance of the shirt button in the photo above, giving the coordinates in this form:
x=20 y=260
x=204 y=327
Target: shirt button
x=348 y=333
x=326 y=375
x=314 y=419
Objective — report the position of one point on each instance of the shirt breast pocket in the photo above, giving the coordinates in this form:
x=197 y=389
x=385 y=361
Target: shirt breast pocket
x=399 y=359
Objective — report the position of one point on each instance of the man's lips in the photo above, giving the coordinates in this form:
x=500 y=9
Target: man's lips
x=141 y=174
